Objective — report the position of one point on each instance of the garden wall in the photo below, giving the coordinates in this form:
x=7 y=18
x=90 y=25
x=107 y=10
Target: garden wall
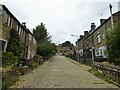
x=111 y=70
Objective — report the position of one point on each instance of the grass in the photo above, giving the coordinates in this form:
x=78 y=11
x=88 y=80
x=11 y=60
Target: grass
x=81 y=61
x=9 y=78
x=103 y=76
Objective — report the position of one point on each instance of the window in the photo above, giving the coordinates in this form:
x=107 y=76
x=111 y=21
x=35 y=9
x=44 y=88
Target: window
x=5 y=17
x=19 y=30
x=81 y=53
x=98 y=38
x=0 y=10
x=105 y=52
x=103 y=36
x=21 y=33
x=30 y=37
x=34 y=41
x=87 y=43
x=9 y=21
x=101 y=52
x=97 y=52
x=108 y=29
x=92 y=40
x=2 y=45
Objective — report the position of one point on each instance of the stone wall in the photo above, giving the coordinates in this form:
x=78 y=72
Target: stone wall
x=23 y=33
x=111 y=70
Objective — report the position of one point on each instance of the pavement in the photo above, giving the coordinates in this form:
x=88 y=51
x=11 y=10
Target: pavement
x=61 y=72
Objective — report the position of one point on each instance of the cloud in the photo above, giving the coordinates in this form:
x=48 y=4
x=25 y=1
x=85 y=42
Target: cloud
x=61 y=17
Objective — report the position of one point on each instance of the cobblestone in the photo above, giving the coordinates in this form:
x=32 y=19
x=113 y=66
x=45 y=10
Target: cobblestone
x=61 y=72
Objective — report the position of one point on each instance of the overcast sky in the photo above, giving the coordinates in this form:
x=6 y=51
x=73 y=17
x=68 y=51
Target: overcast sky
x=61 y=17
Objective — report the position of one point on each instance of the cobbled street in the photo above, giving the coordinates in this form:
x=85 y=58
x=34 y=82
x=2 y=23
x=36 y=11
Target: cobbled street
x=61 y=72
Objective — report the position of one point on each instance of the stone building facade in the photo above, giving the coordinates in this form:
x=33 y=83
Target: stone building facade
x=94 y=41
x=99 y=34
x=8 y=21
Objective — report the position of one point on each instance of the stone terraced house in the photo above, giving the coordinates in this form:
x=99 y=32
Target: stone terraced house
x=7 y=22
x=94 y=40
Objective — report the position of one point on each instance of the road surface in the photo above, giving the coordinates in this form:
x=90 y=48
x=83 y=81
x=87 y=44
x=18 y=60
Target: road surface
x=61 y=72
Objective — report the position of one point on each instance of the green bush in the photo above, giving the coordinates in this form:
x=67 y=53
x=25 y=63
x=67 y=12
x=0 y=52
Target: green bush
x=36 y=58
x=8 y=59
x=46 y=50
x=14 y=44
x=113 y=44
x=100 y=75
x=9 y=79
x=82 y=61
x=33 y=65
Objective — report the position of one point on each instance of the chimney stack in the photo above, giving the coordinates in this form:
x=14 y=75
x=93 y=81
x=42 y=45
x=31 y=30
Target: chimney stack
x=93 y=26
x=102 y=21
x=81 y=36
x=24 y=24
x=85 y=33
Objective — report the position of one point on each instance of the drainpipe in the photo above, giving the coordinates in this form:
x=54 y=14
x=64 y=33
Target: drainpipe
x=25 y=40
x=92 y=55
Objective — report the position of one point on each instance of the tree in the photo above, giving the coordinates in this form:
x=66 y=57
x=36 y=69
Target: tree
x=67 y=44
x=45 y=48
x=14 y=44
x=40 y=33
x=113 y=42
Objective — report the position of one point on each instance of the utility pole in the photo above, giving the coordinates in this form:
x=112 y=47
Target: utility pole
x=110 y=6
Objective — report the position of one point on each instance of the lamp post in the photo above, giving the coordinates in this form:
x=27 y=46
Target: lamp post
x=76 y=45
x=75 y=36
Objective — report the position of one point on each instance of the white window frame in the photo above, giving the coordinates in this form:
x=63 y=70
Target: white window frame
x=98 y=38
x=21 y=33
x=30 y=37
x=5 y=18
x=97 y=52
x=5 y=44
x=101 y=52
x=103 y=36
x=1 y=10
x=9 y=21
x=34 y=41
x=19 y=30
